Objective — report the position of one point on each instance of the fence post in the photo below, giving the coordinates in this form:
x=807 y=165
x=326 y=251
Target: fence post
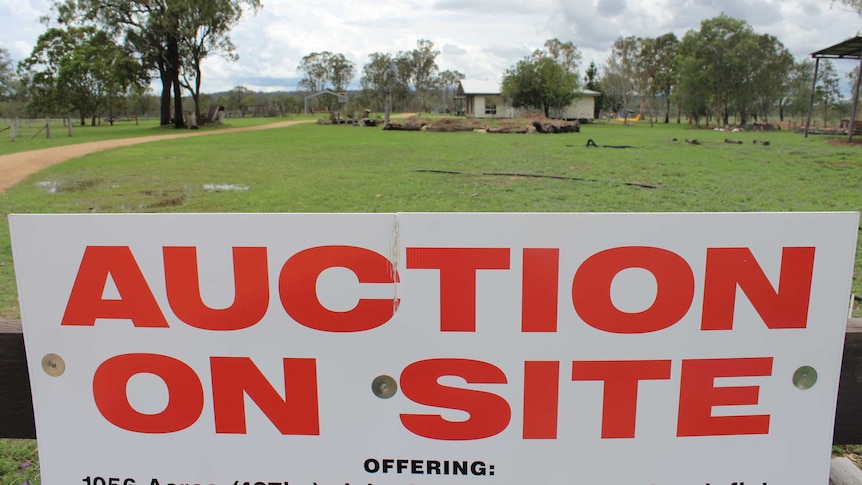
x=12 y=129
x=47 y=127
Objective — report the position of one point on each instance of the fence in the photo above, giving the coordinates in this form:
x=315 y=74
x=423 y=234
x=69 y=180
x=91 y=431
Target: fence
x=30 y=128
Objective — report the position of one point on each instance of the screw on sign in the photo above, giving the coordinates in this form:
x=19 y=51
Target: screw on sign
x=726 y=269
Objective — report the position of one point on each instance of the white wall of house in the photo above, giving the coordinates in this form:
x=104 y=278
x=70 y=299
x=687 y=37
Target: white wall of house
x=495 y=106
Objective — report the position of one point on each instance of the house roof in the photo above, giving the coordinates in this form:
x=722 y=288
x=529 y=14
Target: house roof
x=849 y=49
x=472 y=86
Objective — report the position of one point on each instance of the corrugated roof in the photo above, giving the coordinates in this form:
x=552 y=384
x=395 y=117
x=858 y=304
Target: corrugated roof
x=472 y=86
x=849 y=49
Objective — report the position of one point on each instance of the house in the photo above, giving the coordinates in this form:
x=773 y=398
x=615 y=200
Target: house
x=484 y=99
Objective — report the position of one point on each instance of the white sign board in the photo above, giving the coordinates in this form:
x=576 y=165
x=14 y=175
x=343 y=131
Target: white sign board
x=232 y=349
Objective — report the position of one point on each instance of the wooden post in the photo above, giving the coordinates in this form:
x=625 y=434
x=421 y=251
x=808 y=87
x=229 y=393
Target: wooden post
x=47 y=127
x=811 y=101
x=855 y=102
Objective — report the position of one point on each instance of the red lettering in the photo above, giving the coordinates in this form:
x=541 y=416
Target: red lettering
x=295 y=414
x=591 y=289
x=458 y=268
x=541 y=400
x=136 y=302
x=539 y=290
x=621 y=379
x=489 y=413
x=251 y=289
x=297 y=287
x=727 y=268
x=185 y=393
x=698 y=395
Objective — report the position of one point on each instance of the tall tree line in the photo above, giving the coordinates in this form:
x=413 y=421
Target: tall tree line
x=412 y=78
x=723 y=69
x=167 y=37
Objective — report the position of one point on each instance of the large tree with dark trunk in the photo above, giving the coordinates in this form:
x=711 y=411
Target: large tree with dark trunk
x=162 y=32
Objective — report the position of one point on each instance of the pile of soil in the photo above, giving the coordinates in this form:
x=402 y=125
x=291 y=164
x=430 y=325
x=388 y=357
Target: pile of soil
x=527 y=124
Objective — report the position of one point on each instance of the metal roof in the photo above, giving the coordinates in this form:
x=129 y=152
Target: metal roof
x=849 y=49
x=472 y=86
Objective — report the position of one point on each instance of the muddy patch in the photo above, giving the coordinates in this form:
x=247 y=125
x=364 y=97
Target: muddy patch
x=64 y=186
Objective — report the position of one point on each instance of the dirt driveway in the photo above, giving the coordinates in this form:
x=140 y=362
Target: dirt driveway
x=16 y=166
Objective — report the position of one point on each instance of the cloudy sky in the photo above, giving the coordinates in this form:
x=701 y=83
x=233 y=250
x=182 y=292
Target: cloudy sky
x=480 y=38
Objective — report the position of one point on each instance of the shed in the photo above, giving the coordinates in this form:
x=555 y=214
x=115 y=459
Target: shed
x=848 y=49
x=484 y=99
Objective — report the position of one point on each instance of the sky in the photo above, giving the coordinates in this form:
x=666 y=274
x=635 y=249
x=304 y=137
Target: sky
x=479 y=38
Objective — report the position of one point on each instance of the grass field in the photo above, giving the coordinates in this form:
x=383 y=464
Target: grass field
x=310 y=168
x=32 y=138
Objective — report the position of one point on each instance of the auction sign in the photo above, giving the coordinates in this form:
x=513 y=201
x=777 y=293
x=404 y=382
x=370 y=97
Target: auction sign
x=330 y=349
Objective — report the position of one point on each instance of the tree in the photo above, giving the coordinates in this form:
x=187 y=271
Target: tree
x=798 y=89
x=770 y=73
x=827 y=91
x=540 y=82
x=341 y=72
x=315 y=70
x=81 y=69
x=7 y=75
x=447 y=81
x=565 y=53
x=622 y=77
x=374 y=78
x=658 y=64
x=157 y=30
x=236 y=96
x=325 y=70
x=715 y=64
x=423 y=69
x=592 y=82
x=205 y=28
x=732 y=68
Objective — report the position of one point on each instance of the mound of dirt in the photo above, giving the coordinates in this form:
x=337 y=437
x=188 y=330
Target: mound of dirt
x=456 y=124
x=527 y=124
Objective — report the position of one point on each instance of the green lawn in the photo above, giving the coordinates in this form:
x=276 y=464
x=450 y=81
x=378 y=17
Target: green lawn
x=311 y=168
x=33 y=135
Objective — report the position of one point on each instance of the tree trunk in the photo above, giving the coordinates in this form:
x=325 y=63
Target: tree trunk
x=174 y=67
x=174 y=56
x=667 y=113
x=165 y=113
x=197 y=93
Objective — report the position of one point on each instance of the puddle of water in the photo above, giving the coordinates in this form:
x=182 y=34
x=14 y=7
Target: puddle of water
x=57 y=186
x=220 y=187
x=48 y=186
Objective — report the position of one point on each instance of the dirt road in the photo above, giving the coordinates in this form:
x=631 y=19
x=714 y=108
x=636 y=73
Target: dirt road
x=16 y=166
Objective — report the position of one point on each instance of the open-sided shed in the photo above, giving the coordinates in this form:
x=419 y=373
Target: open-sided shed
x=848 y=49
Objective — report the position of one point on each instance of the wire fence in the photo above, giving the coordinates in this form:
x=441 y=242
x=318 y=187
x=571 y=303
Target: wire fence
x=30 y=128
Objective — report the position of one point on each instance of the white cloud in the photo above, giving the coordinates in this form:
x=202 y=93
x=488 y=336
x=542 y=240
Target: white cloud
x=480 y=38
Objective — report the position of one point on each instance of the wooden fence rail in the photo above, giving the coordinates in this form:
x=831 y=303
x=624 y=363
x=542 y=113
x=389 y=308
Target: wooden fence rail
x=16 y=410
